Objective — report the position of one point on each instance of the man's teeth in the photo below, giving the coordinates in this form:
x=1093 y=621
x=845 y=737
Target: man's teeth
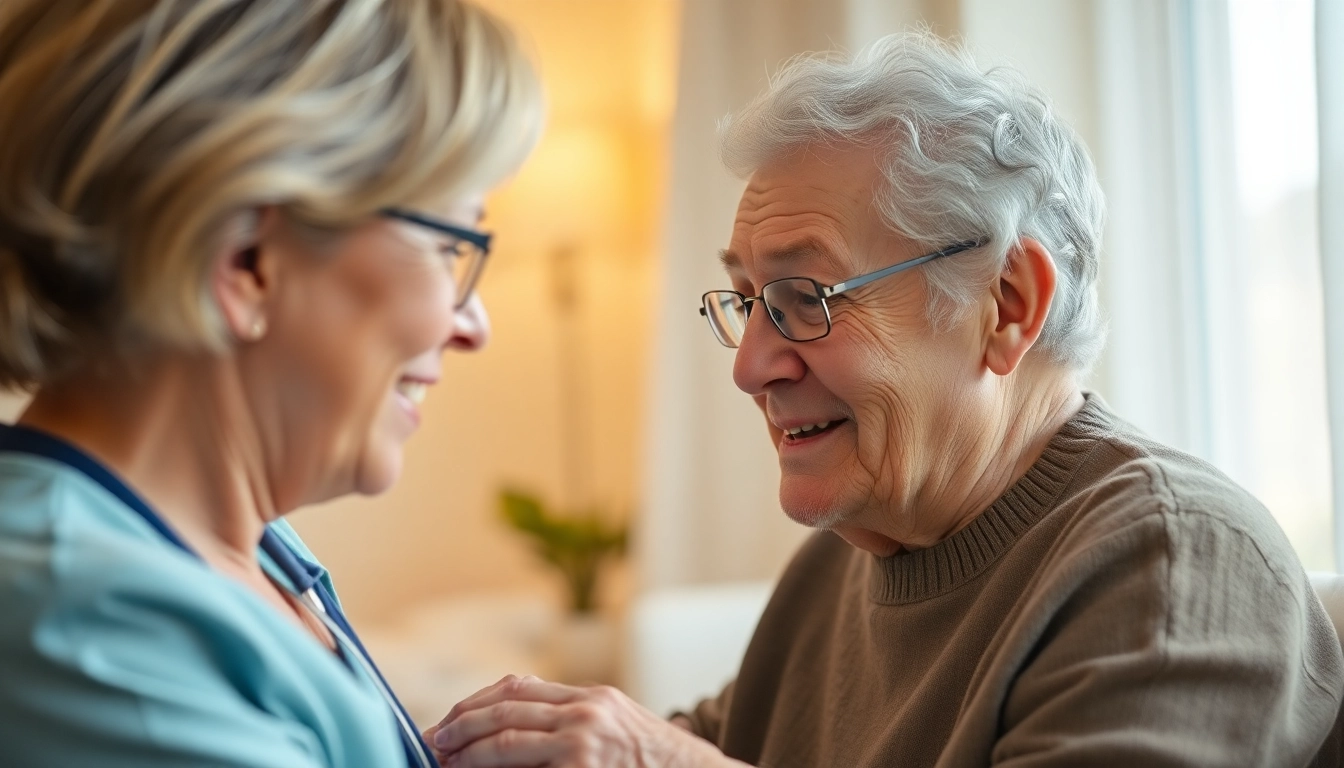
x=413 y=390
x=794 y=431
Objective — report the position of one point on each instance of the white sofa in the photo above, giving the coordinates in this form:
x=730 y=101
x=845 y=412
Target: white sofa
x=686 y=643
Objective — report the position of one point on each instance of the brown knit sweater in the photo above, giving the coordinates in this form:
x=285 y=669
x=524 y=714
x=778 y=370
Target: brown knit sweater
x=1122 y=604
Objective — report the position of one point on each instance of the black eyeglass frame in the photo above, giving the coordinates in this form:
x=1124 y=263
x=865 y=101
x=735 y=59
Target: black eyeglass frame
x=825 y=292
x=471 y=236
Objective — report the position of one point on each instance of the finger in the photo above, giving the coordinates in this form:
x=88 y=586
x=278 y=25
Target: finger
x=505 y=680
x=524 y=689
x=509 y=749
x=458 y=708
x=428 y=736
x=479 y=723
x=440 y=757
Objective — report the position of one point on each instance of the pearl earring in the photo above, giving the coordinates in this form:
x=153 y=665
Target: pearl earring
x=258 y=329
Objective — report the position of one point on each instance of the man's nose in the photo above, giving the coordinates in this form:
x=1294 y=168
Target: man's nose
x=764 y=356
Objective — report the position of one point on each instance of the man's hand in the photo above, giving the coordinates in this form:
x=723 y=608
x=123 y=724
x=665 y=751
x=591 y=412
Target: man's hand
x=530 y=722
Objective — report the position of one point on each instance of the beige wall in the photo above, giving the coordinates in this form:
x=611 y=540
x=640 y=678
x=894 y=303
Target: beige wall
x=1052 y=42
x=594 y=187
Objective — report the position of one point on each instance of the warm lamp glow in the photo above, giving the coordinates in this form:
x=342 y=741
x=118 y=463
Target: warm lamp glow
x=574 y=189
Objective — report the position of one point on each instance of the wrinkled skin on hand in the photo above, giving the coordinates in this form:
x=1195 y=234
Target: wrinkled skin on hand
x=530 y=722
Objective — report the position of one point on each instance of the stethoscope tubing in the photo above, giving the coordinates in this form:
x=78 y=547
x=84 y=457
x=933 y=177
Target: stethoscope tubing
x=315 y=596
x=410 y=736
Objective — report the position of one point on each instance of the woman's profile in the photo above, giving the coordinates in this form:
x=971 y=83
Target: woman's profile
x=236 y=237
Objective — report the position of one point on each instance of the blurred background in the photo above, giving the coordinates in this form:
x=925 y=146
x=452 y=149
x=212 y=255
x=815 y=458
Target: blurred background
x=608 y=410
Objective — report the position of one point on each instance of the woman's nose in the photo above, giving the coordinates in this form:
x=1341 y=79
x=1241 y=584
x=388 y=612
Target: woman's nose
x=471 y=326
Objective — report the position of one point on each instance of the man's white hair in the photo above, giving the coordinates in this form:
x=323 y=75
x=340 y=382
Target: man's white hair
x=965 y=155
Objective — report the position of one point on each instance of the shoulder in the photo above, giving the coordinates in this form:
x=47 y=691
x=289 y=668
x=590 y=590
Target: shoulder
x=1168 y=605
x=67 y=538
x=1133 y=486
x=137 y=651
x=91 y=586
x=1168 y=540
x=59 y=529
x=34 y=492
x=1124 y=484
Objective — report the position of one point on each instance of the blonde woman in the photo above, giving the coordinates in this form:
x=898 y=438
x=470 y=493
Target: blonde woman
x=236 y=237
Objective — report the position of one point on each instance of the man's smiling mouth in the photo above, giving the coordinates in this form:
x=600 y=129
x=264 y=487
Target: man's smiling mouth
x=812 y=430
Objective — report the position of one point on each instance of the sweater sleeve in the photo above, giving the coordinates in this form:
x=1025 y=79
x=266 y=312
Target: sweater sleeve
x=706 y=719
x=1180 y=638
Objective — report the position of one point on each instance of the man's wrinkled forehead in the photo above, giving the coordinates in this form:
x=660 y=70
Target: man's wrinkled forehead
x=801 y=212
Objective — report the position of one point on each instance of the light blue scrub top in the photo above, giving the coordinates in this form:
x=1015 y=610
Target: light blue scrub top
x=119 y=649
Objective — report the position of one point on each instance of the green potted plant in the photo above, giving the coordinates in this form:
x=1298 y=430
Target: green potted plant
x=583 y=648
x=575 y=545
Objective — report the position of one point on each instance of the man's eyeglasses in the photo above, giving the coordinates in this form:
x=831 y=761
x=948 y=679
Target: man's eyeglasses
x=470 y=249
x=796 y=305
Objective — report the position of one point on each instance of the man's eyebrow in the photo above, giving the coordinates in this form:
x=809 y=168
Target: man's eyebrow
x=802 y=250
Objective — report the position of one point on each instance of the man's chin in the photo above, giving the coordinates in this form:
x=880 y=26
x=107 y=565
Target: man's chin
x=813 y=513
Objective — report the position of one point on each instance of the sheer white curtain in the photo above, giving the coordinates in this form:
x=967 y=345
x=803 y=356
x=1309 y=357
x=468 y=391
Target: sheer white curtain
x=1330 y=110
x=1211 y=274
x=1151 y=371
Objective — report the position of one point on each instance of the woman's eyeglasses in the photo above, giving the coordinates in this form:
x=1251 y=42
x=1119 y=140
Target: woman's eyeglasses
x=796 y=305
x=471 y=247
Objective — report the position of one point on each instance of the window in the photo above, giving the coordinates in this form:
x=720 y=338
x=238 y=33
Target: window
x=1265 y=326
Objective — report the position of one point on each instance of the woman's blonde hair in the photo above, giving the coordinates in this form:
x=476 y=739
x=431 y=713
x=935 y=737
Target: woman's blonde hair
x=132 y=132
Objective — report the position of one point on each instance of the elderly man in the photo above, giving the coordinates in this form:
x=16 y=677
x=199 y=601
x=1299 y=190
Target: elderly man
x=1007 y=573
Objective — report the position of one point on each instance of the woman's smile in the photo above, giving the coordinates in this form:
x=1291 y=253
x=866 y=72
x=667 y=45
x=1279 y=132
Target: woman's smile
x=410 y=393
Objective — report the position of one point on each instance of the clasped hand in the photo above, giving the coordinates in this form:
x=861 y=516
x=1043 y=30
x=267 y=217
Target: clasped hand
x=530 y=722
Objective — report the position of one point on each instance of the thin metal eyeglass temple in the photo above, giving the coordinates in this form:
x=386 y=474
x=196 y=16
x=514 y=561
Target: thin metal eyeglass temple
x=827 y=291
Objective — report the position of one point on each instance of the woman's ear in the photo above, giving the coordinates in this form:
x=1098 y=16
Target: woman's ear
x=1022 y=296
x=242 y=279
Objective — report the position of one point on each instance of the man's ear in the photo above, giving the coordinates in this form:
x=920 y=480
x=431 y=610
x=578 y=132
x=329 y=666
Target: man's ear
x=1022 y=296
x=242 y=279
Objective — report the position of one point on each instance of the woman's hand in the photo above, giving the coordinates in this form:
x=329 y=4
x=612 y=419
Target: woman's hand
x=530 y=722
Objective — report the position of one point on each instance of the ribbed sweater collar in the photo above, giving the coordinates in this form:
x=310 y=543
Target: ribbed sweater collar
x=910 y=577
